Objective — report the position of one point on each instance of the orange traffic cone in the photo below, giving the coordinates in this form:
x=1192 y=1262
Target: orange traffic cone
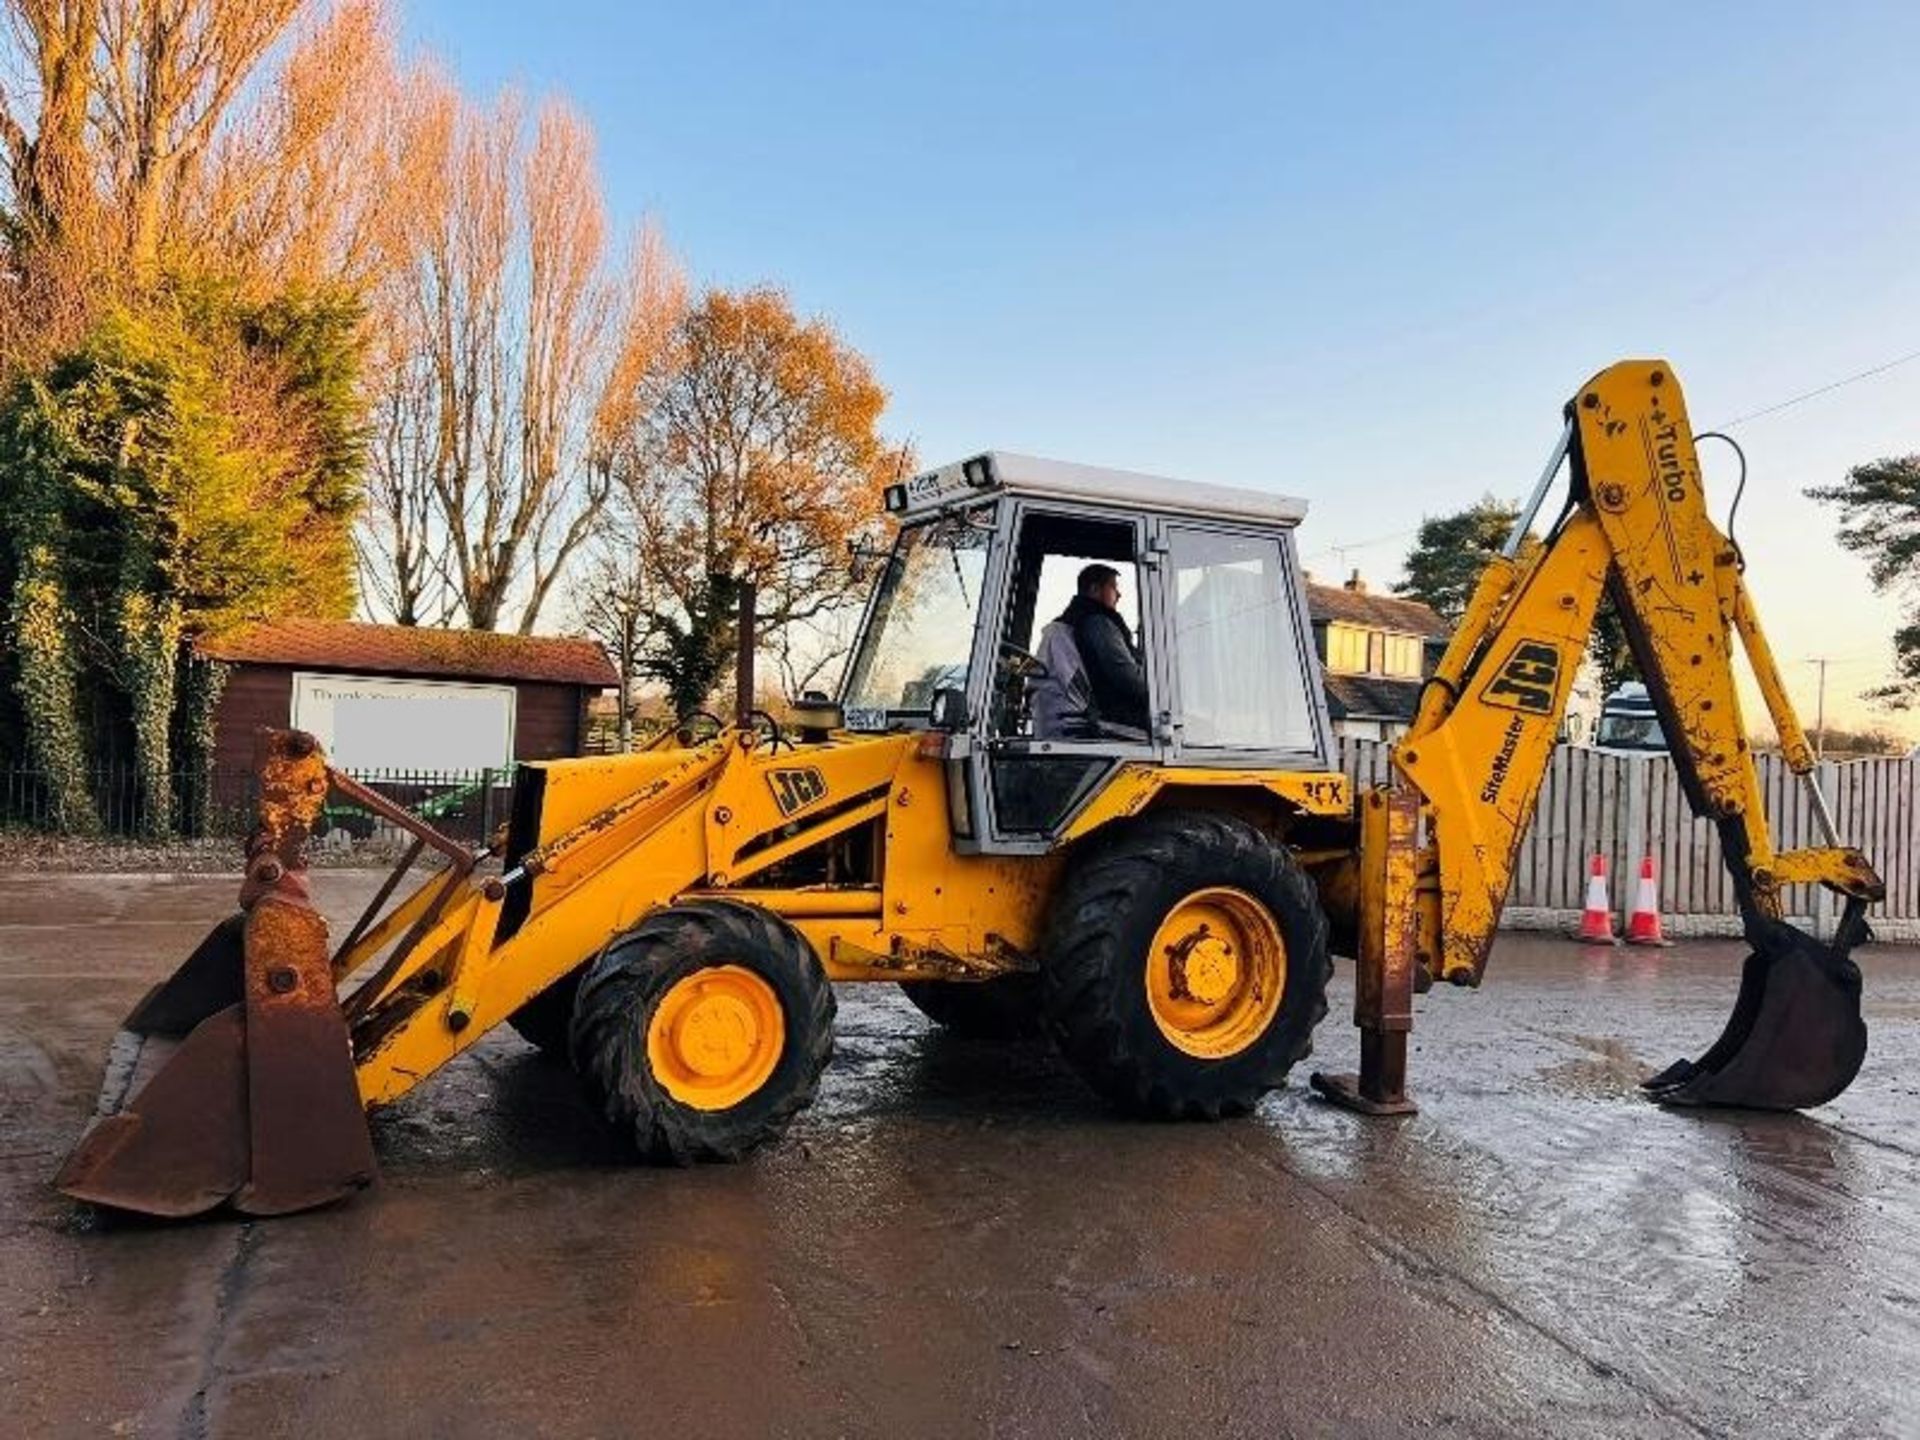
x=1596 y=921
x=1643 y=925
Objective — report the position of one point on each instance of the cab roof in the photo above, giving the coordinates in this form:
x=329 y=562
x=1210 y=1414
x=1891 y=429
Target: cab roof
x=1004 y=472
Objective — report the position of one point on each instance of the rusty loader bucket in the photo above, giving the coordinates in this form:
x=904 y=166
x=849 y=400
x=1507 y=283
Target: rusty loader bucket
x=233 y=1081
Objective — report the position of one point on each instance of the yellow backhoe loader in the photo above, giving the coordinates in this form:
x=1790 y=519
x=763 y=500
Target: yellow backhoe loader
x=1161 y=899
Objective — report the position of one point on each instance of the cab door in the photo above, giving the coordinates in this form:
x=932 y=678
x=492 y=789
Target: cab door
x=1026 y=786
x=1235 y=647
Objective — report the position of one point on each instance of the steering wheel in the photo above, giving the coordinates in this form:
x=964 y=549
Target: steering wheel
x=683 y=727
x=1024 y=663
x=775 y=736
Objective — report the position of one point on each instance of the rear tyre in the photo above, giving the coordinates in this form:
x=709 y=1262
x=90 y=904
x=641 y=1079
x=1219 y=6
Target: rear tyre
x=1186 y=966
x=543 y=1022
x=1003 y=1009
x=704 y=1030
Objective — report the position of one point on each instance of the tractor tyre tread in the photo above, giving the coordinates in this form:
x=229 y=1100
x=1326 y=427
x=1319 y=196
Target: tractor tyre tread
x=1102 y=922
x=617 y=998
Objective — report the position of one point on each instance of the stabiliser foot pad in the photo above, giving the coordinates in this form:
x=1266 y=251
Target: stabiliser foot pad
x=1346 y=1092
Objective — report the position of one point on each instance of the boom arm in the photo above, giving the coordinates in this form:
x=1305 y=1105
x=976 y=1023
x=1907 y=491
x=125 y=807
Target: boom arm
x=1636 y=525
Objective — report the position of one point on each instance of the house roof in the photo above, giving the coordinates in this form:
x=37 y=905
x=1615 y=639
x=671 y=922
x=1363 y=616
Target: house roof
x=1371 y=697
x=413 y=650
x=1379 y=612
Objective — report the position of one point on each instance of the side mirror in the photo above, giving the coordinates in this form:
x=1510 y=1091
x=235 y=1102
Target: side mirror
x=948 y=711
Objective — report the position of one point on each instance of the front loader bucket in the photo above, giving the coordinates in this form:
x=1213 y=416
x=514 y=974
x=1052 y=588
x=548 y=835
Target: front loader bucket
x=1796 y=1038
x=233 y=1081
x=255 y=1104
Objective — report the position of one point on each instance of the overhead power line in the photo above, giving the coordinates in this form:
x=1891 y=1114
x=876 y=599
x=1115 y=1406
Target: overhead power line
x=1344 y=547
x=1819 y=390
x=1773 y=409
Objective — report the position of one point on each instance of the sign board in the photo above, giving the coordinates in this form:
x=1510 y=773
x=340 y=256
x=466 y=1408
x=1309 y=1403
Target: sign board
x=372 y=723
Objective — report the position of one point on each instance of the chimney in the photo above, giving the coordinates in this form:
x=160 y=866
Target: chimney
x=1355 y=583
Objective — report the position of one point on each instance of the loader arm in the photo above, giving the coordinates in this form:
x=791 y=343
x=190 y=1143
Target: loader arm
x=1634 y=525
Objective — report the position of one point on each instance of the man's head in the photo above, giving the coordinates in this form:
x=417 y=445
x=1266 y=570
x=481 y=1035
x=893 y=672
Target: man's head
x=1101 y=583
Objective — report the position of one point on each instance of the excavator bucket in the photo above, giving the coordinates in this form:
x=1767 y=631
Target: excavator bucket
x=232 y=1082
x=1796 y=1037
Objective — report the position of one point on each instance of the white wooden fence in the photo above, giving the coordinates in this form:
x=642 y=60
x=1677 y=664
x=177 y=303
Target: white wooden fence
x=1627 y=807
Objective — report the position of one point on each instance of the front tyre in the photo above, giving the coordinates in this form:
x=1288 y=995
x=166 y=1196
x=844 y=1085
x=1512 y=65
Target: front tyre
x=1186 y=965
x=704 y=1029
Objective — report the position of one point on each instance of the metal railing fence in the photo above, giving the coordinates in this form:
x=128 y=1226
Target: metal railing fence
x=466 y=804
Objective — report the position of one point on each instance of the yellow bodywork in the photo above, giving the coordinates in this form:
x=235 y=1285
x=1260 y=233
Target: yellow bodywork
x=623 y=835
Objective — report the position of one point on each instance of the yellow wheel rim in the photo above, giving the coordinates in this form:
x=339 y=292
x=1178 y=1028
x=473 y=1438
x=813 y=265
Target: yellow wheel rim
x=1216 y=972
x=715 y=1037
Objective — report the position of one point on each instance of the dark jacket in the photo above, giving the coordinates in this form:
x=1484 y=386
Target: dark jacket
x=1113 y=665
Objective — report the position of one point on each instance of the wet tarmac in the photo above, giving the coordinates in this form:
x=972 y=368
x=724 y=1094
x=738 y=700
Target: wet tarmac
x=958 y=1241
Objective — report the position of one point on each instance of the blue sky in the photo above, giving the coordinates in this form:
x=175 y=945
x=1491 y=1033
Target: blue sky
x=1358 y=253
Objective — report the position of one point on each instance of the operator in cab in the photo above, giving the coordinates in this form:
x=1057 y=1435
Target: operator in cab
x=1107 y=651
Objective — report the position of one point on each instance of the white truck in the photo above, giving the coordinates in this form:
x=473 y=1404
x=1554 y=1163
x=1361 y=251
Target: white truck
x=1629 y=722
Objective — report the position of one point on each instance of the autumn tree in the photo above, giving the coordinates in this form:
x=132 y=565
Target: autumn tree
x=1879 y=504
x=757 y=458
x=521 y=346
x=616 y=597
x=244 y=137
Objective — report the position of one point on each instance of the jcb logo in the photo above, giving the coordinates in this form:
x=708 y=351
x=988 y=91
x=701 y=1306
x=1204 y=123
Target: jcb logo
x=1528 y=681
x=796 y=789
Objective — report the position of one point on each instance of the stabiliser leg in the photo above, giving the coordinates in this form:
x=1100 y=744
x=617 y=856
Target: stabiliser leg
x=1384 y=980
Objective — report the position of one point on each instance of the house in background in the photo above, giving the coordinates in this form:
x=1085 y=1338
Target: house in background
x=1374 y=652
x=405 y=698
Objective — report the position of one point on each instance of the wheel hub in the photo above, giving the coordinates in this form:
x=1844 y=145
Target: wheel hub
x=715 y=1037
x=1204 y=967
x=1216 y=972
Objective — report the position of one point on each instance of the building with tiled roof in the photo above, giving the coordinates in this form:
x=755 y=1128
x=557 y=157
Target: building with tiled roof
x=415 y=650
x=403 y=697
x=1375 y=650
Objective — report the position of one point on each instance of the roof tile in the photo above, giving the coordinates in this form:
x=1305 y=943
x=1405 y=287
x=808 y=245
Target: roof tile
x=413 y=650
x=1381 y=612
x=1371 y=697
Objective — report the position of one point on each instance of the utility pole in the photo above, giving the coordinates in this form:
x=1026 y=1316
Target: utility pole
x=1820 y=709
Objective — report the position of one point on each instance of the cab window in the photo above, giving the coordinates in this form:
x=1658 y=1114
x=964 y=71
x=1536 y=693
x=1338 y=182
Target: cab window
x=1236 y=647
x=919 y=633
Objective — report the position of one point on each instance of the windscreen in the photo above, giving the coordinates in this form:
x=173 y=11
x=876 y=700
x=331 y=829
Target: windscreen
x=919 y=635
